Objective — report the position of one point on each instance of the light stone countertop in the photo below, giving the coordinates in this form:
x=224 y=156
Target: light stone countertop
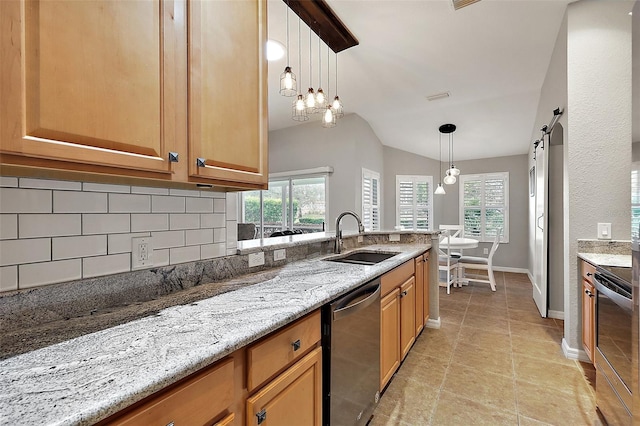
x=604 y=259
x=86 y=379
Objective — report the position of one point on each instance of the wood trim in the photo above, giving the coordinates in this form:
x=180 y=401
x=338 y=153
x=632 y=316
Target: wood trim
x=323 y=21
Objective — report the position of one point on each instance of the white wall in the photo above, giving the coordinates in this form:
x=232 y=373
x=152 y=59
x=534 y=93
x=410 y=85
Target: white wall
x=597 y=151
x=348 y=147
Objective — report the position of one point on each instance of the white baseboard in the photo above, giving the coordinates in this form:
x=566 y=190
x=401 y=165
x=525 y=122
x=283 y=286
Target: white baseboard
x=556 y=314
x=573 y=353
x=432 y=323
x=530 y=276
x=514 y=270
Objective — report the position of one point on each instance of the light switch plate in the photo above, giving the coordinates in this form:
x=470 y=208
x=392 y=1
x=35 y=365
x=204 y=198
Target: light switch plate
x=394 y=237
x=256 y=259
x=280 y=254
x=604 y=231
x=141 y=253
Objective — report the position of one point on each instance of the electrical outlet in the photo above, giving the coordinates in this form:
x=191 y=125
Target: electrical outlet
x=360 y=238
x=394 y=237
x=604 y=231
x=256 y=259
x=280 y=254
x=485 y=250
x=141 y=253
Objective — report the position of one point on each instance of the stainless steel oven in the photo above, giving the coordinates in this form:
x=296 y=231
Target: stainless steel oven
x=614 y=343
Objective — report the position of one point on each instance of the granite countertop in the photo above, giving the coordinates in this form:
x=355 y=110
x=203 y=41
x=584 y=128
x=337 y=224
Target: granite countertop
x=88 y=378
x=604 y=259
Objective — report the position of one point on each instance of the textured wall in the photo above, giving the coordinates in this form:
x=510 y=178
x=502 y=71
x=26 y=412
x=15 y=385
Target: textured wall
x=53 y=231
x=598 y=149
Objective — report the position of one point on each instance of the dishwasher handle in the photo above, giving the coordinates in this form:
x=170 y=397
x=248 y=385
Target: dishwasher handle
x=353 y=302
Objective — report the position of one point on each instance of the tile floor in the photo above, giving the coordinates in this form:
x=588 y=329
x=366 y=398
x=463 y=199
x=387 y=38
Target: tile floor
x=494 y=361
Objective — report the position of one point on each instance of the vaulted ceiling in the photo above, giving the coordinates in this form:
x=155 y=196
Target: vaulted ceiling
x=492 y=57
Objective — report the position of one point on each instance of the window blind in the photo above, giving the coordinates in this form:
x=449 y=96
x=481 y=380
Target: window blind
x=414 y=201
x=484 y=205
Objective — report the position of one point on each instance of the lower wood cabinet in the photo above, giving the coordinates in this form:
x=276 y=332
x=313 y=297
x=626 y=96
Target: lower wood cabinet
x=588 y=309
x=389 y=336
x=420 y=290
x=407 y=316
x=425 y=284
x=292 y=398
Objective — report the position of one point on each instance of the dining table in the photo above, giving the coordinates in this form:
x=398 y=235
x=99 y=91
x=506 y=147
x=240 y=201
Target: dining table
x=458 y=243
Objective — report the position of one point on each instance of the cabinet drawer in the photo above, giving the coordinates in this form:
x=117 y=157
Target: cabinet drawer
x=396 y=277
x=197 y=401
x=276 y=352
x=587 y=271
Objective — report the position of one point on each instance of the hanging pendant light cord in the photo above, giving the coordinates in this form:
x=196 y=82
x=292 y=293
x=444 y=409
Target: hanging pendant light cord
x=299 y=58
x=310 y=61
x=440 y=160
x=336 y=73
x=287 y=33
x=319 y=62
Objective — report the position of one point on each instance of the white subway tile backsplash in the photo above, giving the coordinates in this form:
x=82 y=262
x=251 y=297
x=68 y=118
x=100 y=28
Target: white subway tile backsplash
x=212 y=194
x=209 y=251
x=149 y=190
x=8 y=182
x=167 y=239
x=8 y=226
x=184 y=192
x=102 y=223
x=9 y=278
x=64 y=185
x=199 y=236
x=129 y=203
x=214 y=220
x=184 y=221
x=231 y=208
x=106 y=265
x=200 y=205
x=219 y=235
x=161 y=257
x=149 y=222
x=121 y=243
x=162 y=204
x=101 y=187
x=219 y=205
x=184 y=254
x=49 y=225
x=14 y=252
x=79 y=202
x=70 y=247
x=18 y=200
x=37 y=274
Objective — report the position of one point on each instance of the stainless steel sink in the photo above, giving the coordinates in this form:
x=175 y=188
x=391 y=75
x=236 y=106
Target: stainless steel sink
x=363 y=257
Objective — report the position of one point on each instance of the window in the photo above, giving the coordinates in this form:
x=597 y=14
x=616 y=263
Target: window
x=414 y=202
x=370 y=200
x=296 y=204
x=484 y=205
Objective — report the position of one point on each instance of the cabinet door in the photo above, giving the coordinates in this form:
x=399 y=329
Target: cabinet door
x=389 y=336
x=426 y=282
x=228 y=92
x=292 y=398
x=86 y=87
x=588 y=318
x=407 y=315
x=419 y=294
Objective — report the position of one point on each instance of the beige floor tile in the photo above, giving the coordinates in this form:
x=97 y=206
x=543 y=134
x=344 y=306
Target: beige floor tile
x=408 y=401
x=535 y=332
x=451 y=316
x=488 y=299
x=382 y=420
x=486 y=322
x=526 y=421
x=483 y=387
x=531 y=317
x=485 y=338
x=549 y=351
x=560 y=377
x=425 y=369
x=484 y=359
x=455 y=410
x=499 y=311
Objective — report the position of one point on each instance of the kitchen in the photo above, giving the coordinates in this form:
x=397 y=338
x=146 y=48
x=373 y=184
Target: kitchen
x=579 y=210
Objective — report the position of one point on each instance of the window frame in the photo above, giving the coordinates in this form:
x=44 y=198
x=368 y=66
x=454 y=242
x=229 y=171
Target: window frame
x=415 y=179
x=366 y=173
x=484 y=177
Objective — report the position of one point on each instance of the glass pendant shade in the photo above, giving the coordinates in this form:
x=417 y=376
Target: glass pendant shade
x=336 y=106
x=299 y=109
x=328 y=118
x=453 y=171
x=449 y=179
x=310 y=101
x=440 y=190
x=288 y=85
x=321 y=101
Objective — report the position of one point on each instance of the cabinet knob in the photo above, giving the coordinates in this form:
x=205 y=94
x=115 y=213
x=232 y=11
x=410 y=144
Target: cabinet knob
x=403 y=294
x=588 y=293
x=173 y=157
x=296 y=345
x=201 y=162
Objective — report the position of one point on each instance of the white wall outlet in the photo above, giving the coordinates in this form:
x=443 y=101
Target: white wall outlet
x=604 y=231
x=280 y=254
x=256 y=259
x=485 y=250
x=141 y=253
x=360 y=238
x=394 y=237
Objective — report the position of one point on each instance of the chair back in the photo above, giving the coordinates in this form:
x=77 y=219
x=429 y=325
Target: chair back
x=454 y=230
x=496 y=243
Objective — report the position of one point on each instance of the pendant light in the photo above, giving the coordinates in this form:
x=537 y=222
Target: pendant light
x=288 y=86
x=298 y=108
x=336 y=105
x=452 y=171
x=310 y=99
x=440 y=189
x=321 y=100
x=329 y=116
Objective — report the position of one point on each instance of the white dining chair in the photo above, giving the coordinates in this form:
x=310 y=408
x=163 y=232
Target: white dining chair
x=454 y=231
x=480 y=263
x=447 y=264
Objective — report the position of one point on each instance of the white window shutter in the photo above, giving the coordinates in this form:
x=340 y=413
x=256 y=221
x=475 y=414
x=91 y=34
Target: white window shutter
x=414 y=202
x=370 y=200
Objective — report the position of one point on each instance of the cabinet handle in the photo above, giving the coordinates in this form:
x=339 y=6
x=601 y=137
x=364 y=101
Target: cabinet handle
x=296 y=345
x=262 y=416
x=173 y=157
x=171 y=424
x=201 y=162
x=403 y=294
x=588 y=293
x=589 y=274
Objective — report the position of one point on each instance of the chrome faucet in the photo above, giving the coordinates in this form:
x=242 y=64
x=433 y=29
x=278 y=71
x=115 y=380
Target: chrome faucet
x=338 y=244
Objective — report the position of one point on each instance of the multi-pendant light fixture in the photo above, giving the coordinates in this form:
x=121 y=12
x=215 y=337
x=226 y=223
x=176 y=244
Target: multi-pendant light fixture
x=288 y=86
x=440 y=189
x=299 y=109
x=452 y=172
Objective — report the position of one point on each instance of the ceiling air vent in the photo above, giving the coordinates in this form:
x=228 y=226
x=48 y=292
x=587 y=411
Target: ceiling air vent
x=437 y=96
x=459 y=4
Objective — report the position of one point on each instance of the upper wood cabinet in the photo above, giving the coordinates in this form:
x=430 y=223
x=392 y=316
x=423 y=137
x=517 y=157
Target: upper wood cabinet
x=113 y=88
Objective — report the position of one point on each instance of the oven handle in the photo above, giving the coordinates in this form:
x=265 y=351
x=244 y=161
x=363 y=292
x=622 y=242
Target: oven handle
x=618 y=299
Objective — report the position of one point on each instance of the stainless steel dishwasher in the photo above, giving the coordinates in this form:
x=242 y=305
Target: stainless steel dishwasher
x=351 y=356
